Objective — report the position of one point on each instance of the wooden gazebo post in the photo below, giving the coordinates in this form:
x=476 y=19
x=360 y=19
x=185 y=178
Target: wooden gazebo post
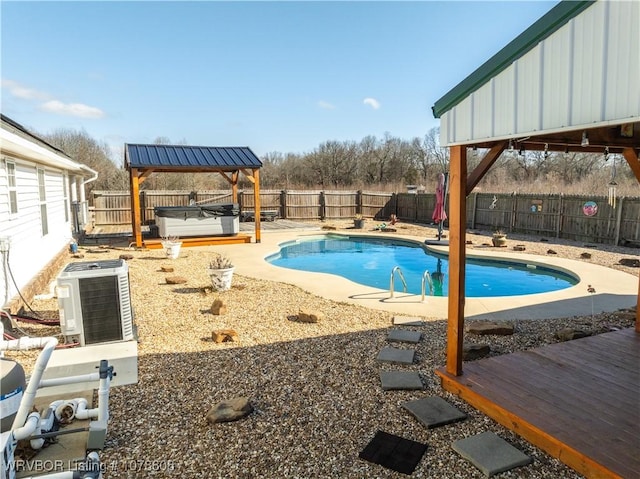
x=457 y=240
x=136 y=227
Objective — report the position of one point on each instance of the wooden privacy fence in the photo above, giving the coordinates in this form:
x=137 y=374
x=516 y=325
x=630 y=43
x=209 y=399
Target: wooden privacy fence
x=580 y=218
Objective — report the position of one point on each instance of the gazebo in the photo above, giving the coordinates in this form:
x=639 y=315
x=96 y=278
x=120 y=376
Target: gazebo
x=143 y=160
x=570 y=82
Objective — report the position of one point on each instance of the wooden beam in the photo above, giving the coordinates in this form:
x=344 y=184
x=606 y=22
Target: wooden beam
x=226 y=177
x=234 y=186
x=256 y=203
x=248 y=174
x=457 y=236
x=489 y=159
x=631 y=156
x=142 y=176
x=136 y=227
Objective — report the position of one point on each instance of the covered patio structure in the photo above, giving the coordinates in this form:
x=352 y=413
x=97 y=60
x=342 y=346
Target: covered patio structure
x=569 y=83
x=143 y=160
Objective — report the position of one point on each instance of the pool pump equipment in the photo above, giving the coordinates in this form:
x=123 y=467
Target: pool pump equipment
x=21 y=423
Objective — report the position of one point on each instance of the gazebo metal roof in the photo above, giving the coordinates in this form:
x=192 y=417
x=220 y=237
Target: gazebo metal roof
x=190 y=158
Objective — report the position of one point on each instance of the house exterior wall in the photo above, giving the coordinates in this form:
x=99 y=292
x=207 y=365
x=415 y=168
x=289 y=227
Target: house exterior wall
x=585 y=74
x=29 y=250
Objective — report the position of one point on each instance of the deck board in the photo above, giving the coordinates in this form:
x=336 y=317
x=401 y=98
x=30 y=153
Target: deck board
x=578 y=400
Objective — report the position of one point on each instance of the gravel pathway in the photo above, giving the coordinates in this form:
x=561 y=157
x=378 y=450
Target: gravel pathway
x=315 y=387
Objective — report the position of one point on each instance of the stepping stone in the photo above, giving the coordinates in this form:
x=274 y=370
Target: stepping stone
x=490 y=453
x=393 y=380
x=407 y=321
x=404 y=336
x=395 y=355
x=394 y=452
x=434 y=411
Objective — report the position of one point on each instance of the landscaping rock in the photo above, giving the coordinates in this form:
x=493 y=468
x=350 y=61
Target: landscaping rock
x=166 y=269
x=309 y=316
x=175 y=280
x=126 y=256
x=567 y=334
x=550 y=251
x=224 y=335
x=632 y=262
x=519 y=247
x=585 y=255
x=218 y=307
x=78 y=256
x=230 y=410
x=501 y=328
x=471 y=352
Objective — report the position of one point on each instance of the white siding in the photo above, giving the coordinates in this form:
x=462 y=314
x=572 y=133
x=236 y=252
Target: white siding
x=585 y=73
x=30 y=251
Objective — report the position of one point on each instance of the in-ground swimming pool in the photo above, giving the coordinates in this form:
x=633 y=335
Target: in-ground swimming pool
x=369 y=261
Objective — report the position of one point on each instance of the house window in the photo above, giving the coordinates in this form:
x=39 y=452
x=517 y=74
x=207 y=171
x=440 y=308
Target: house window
x=13 y=192
x=65 y=193
x=43 y=202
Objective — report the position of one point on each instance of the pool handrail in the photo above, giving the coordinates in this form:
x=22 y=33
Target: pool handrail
x=426 y=276
x=391 y=280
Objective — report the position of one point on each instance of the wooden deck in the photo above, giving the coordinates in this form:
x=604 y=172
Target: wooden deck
x=578 y=400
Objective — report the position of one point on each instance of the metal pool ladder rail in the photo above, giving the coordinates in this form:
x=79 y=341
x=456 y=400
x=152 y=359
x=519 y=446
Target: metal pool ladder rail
x=426 y=277
x=391 y=280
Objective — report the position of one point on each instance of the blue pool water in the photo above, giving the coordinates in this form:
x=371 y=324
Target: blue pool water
x=369 y=261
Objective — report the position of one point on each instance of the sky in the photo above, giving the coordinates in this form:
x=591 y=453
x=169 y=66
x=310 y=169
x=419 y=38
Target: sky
x=279 y=76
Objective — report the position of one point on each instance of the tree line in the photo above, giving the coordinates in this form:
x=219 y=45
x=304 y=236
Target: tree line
x=388 y=164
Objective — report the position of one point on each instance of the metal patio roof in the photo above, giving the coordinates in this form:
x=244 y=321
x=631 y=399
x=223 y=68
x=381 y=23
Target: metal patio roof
x=189 y=158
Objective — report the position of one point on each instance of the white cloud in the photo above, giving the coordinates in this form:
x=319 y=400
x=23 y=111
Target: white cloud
x=372 y=102
x=326 y=105
x=50 y=105
x=72 y=109
x=20 y=91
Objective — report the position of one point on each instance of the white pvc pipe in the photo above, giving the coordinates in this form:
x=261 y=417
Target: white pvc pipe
x=103 y=402
x=47 y=344
x=47 y=383
x=83 y=413
x=30 y=425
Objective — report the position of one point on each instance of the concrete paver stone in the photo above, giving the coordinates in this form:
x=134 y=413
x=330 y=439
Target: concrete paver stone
x=396 y=355
x=408 y=321
x=404 y=336
x=434 y=411
x=490 y=453
x=400 y=380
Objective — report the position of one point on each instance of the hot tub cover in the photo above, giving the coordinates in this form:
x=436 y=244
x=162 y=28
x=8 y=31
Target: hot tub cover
x=200 y=211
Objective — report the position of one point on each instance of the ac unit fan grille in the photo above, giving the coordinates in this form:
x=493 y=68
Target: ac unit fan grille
x=100 y=309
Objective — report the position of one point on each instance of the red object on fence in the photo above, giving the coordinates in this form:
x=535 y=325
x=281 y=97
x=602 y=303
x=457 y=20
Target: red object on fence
x=439 y=214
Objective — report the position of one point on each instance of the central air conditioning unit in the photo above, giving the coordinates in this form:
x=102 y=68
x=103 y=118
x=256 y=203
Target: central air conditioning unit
x=95 y=302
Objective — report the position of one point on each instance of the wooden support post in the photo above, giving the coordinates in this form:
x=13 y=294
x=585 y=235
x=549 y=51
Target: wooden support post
x=234 y=186
x=136 y=227
x=457 y=240
x=256 y=203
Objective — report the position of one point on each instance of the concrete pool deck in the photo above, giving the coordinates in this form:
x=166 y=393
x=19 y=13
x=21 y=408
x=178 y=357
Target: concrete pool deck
x=614 y=289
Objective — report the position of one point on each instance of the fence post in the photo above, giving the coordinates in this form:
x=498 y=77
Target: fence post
x=359 y=202
x=559 y=220
x=143 y=207
x=474 y=204
x=616 y=239
x=514 y=210
x=283 y=204
x=323 y=211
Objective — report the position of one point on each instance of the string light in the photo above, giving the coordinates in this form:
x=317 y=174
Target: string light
x=546 y=151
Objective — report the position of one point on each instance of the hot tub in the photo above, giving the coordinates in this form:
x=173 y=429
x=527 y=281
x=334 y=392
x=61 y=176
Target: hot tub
x=205 y=220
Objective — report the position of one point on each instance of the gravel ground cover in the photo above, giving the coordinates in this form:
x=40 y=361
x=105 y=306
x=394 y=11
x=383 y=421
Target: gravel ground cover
x=315 y=388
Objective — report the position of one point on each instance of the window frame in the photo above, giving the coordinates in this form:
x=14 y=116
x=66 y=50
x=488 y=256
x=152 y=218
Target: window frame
x=12 y=189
